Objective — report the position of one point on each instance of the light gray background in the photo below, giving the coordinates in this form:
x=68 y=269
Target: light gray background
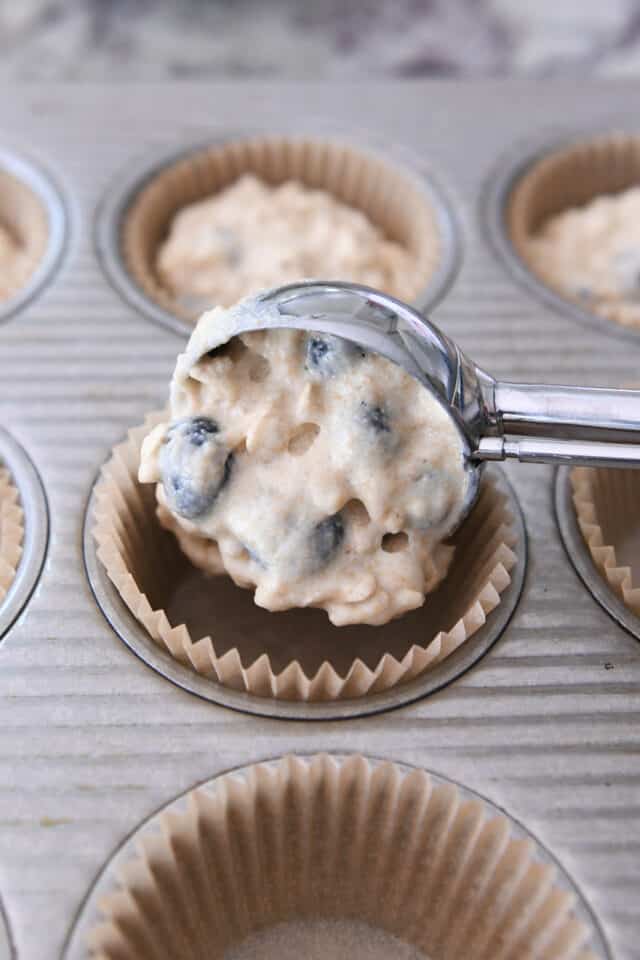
x=114 y=40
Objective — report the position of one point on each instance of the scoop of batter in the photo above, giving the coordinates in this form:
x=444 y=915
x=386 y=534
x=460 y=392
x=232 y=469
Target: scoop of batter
x=305 y=468
x=592 y=254
x=252 y=236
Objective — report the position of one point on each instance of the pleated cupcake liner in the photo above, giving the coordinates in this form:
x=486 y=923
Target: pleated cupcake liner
x=11 y=531
x=214 y=627
x=393 y=200
x=607 y=504
x=343 y=840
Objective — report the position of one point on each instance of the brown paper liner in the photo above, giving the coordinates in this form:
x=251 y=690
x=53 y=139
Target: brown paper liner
x=391 y=198
x=607 y=504
x=259 y=652
x=571 y=178
x=344 y=840
x=11 y=531
x=24 y=216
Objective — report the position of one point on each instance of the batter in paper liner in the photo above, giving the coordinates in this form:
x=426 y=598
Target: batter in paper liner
x=592 y=254
x=15 y=265
x=216 y=250
x=302 y=466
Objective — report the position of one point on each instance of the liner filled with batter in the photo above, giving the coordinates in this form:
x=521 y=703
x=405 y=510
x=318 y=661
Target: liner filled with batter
x=24 y=234
x=323 y=852
x=607 y=504
x=393 y=201
x=215 y=628
x=573 y=218
x=11 y=531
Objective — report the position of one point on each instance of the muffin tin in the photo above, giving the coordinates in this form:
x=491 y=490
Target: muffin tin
x=91 y=740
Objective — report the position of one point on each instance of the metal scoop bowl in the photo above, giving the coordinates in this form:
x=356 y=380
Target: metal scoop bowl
x=531 y=423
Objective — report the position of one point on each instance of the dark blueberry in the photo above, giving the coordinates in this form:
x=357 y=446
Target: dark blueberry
x=326 y=538
x=195 y=465
x=197 y=430
x=328 y=356
x=375 y=417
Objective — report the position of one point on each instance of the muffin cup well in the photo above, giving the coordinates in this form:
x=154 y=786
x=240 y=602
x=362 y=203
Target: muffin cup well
x=607 y=505
x=24 y=529
x=216 y=629
x=11 y=531
x=363 y=844
x=33 y=214
x=405 y=206
x=563 y=178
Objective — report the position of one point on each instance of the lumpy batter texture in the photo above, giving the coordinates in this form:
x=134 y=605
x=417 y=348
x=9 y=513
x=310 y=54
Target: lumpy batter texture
x=305 y=468
x=592 y=254
x=15 y=265
x=252 y=236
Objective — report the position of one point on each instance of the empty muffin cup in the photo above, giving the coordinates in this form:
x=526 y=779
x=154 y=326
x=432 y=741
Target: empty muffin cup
x=304 y=856
x=404 y=206
x=589 y=260
x=214 y=628
x=11 y=531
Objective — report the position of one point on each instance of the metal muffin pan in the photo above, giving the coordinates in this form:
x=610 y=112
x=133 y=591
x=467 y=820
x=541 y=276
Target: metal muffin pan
x=580 y=557
x=48 y=194
x=507 y=173
x=139 y=641
x=6 y=947
x=91 y=741
x=36 y=528
x=106 y=880
x=126 y=187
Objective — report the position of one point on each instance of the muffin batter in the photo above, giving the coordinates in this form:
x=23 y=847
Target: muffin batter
x=252 y=236
x=300 y=465
x=15 y=265
x=592 y=254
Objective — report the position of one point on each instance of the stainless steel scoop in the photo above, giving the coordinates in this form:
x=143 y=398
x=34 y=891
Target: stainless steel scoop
x=532 y=423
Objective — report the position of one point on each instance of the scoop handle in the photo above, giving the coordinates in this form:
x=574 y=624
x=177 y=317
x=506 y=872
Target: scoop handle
x=583 y=453
x=567 y=413
x=536 y=423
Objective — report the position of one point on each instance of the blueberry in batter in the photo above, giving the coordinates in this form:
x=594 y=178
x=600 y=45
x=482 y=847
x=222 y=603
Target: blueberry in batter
x=194 y=466
x=328 y=356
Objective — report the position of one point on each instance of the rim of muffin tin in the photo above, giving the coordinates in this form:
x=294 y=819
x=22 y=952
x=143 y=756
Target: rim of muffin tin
x=578 y=552
x=501 y=182
x=133 y=634
x=119 y=197
x=7 y=946
x=39 y=181
x=36 y=529
x=75 y=946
